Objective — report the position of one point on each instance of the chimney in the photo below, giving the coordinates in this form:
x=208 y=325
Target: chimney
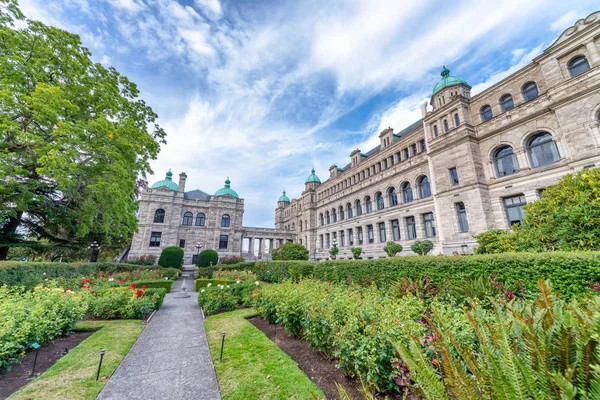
x=181 y=186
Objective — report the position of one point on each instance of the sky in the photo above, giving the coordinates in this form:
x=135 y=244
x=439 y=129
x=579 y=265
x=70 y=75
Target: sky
x=262 y=91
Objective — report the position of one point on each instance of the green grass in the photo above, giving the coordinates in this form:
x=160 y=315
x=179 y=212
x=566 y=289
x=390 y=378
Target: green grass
x=253 y=366
x=74 y=375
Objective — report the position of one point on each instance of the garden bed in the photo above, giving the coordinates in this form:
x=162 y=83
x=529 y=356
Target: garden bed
x=48 y=354
x=321 y=370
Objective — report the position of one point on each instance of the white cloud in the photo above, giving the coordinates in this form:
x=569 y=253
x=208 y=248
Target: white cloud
x=213 y=6
x=105 y=60
x=565 y=21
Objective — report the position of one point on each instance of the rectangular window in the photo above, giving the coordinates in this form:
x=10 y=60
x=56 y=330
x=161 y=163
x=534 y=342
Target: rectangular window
x=413 y=149
x=405 y=154
x=411 y=229
x=382 y=232
x=342 y=239
x=384 y=164
x=350 y=237
x=370 y=234
x=334 y=239
x=428 y=225
x=461 y=215
x=321 y=239
x=453 y=176
x=398 y=157
x=396 y=230
x=360 y=235
x=514 y=209
x=327 y=240
x=155 y=239
x=182 y=243
x=223 y=242
x=422 y=145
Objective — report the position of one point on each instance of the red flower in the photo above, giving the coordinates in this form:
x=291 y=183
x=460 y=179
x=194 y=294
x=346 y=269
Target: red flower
x=139 y=293
x=435 y=361
x=121 y=281
x=86 y=281
x=133 y=285
x=144 y=287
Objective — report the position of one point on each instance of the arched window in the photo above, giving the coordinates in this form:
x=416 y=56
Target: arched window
x=368 y=205
x=507 y=103
x=505 y=161
x=446 y=127
x=358 y=206
x=341 y=213
x=327 y=218
x=578 y=65
x=349 y=210
x=435 y=131
x=393 y=197
x=159 y=216
x=225 y=221
x=456 y=119
x=187 y=218
x=200 y=219
x=334 y=215
x=407 y=194
x=542 y=150
x=530 y=91
x=321 y=219
x=379 y=201
x=293 y=226
x=486 y=113
x=424 y=187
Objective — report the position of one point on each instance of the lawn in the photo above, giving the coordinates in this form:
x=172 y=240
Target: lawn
x=74 y=375
x=253 y=366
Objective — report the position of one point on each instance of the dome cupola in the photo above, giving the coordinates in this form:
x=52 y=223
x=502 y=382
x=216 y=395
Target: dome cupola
x=448 y=80
x=227 y=190
x=167 y=182
x=284 y=198
x=313 y=177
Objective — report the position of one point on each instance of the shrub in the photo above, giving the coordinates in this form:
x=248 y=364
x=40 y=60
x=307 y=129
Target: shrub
x=121 y=303
x=156 y=284
x=334 y=251
x=157 y=295
x=31 y=274
x=544 y=349
x=170 y=273
x=422 y=247
x=496 y=241
x=214 y=300
x=202 y=283
x=356 y=252
x=290 y=251
x=392 y=248
x=231 y=260
x=34 y=316
x=171 y=257
x=208 y=257
x=143 y=260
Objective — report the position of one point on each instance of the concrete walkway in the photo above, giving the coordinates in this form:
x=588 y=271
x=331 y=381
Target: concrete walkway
x=170 y=359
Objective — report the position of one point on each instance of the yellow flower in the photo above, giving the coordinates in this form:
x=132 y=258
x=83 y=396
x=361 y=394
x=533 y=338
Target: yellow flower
x=110 y=135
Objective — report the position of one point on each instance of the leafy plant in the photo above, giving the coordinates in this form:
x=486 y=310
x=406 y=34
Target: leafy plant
x=392 y=248
x=171 y=257
x=356 y=252
x=290 y=251
x=496 y=241
x=422 y=247
x=208 y=258
x=334 y=251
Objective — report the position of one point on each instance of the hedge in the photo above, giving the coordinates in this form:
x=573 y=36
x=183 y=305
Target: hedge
x=571 y=273
x=31 y=274
x=156 y=284
x=206 y=257
x=202 y=283
x=171 y=257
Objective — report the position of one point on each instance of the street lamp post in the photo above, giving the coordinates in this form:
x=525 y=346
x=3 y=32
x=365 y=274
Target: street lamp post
x=198 y=247
x=333 y=256
x=94 y=251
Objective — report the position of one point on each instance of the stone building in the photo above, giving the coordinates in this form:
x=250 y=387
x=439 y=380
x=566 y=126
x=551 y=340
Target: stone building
x=469 y=165
x=170 y=216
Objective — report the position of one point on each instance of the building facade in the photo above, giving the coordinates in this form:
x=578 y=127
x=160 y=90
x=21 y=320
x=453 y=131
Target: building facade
x=468 y=166
x=195 y=221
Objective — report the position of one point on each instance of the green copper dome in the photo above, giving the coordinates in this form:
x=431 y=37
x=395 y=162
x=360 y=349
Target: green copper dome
x=227 y=190
x=284 y=198
x=448 y=80
x=312 y=177
x=168 y=182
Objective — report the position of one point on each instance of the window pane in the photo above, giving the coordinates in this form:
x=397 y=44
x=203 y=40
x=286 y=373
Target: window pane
x=411 y=229
x=530 y=91
x=396 y=229
x=578 y=66
x=507 y=103
x=382 y=232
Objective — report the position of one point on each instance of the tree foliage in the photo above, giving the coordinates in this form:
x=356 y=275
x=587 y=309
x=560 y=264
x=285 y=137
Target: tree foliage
x=422 y=247
x=290 y=251
x=356 y=252
x=392 y=248
x=171 y=257
x=74 y=138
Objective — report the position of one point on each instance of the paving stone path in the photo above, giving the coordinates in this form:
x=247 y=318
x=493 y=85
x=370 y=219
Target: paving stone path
x=170 y=359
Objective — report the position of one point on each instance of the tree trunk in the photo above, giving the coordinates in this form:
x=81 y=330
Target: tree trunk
x=8 y=232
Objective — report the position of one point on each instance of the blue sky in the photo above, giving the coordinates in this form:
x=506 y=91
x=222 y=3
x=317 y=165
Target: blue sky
x=261 y=91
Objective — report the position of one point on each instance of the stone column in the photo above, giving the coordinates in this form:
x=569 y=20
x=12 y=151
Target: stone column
x=260 y=247
x=251 y=246
x=594 y=53
x=389 y=236
x=523 y=159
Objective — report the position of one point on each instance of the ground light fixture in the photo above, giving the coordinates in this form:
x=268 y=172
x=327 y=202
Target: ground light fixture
x=222 y=345
x=102 y=353
x=94 y=251
x=35 y=346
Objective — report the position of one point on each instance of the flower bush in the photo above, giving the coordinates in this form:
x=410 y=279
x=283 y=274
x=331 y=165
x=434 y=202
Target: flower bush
x=124 y=302
x=28 y=316
x=220 y=296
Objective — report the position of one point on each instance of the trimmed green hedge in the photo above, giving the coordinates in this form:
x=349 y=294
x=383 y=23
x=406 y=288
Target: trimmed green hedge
x=171 y=257
x=570 y=272
x=155 y=284
x=206 y=257
x=31 y=274
x=202 y=283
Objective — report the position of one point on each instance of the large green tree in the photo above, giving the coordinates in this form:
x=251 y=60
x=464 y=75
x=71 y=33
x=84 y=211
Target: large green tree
x=74 y=138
